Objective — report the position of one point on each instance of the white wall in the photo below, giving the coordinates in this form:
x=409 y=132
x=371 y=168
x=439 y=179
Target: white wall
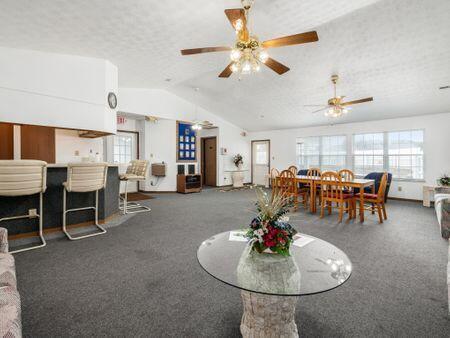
x=56 y=90
x=67 y=143
x=436 y=139
x=160 y=143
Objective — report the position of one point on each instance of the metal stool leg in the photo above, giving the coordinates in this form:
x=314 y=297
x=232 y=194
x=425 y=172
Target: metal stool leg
x=65 y=211
x=131 y=207
x=41 y=227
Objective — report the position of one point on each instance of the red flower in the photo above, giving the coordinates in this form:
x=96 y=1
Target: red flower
x=281 y=240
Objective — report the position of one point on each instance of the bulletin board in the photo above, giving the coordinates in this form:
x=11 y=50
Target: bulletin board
x=186 y=142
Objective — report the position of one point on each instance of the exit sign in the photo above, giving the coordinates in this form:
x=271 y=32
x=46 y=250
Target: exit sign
x=121 y=120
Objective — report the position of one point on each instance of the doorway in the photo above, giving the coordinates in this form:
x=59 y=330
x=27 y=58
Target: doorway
x=209 y=161
x=260 y=162
x=126 y=149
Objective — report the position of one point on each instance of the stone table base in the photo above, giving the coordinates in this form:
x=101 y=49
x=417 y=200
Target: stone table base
x=238 y=179
x=268 y=316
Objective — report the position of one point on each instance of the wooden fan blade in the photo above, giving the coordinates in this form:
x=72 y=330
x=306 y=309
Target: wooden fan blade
x=276 y=66
x=204 y=50
x=227 y=71
x=234 y=14
x=367 y=99
x=291 y=40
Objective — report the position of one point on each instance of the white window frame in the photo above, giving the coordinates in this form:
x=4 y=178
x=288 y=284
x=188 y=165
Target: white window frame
x=386 y=153
x=320 y=155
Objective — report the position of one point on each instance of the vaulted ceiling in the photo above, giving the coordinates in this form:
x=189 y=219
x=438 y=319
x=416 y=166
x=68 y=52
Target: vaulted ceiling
x=396 y=51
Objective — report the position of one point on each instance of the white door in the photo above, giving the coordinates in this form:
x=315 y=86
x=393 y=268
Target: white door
x=125 y=150
x=260 y=162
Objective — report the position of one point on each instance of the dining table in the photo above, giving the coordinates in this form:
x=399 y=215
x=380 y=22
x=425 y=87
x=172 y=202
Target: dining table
x=358 y=183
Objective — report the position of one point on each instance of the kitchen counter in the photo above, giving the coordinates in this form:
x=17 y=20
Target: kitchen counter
x=53 y=202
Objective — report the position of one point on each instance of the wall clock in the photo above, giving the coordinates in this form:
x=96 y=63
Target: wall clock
x=112 y=100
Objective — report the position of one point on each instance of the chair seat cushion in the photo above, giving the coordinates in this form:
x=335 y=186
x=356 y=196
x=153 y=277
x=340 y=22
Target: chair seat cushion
x=368 y=196
x=131 y=177
x=10 y=313
x=7 y=271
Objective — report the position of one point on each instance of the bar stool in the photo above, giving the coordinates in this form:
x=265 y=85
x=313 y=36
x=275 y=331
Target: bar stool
x=136 y=172
x=84 y=177
x=24 y=178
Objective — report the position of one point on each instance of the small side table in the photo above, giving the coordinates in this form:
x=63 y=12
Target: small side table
x=237 y=177
x=428 y=191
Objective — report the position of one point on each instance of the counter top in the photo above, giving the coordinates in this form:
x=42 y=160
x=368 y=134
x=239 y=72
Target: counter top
x=64 y=165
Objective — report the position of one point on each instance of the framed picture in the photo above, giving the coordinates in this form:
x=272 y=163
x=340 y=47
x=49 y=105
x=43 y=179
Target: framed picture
x=186 y=138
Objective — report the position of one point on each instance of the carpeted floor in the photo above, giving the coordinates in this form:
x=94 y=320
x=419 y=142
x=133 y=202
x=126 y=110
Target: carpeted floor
x=142 y=278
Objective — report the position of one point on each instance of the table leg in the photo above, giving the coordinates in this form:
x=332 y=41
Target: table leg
x=268 y=316
x=361 y=205
x=312 y=203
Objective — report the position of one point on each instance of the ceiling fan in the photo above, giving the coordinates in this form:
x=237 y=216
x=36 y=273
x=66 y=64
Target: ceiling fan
x=199 y=125
x=336 y=107
x=249 y=53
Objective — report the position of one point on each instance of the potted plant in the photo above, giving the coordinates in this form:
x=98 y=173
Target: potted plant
x=444 y=180
x=238 y=161
x=269 y=231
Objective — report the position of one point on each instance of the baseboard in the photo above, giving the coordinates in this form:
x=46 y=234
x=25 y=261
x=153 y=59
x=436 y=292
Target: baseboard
x=59 y=229
x=157 y=192
x=405 y=199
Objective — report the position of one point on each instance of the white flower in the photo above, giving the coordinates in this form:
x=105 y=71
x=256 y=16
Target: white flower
x=284 y=219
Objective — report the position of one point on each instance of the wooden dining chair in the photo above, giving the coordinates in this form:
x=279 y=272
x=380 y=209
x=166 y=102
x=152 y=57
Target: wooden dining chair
x=332 y=191
x=314 y=172
x=293 y=169
x=274 y=173
x=288 y=187
x=375 y=200
x=346 y=176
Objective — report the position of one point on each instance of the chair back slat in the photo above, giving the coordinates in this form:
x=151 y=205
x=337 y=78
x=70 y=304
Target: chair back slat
x=382 y=189
x=287 y=184
x=313 y=172
x=138 y=168
x=331 y=186
x=347 y=175
x=22 y=177
x=84 y=177
x=293 y=169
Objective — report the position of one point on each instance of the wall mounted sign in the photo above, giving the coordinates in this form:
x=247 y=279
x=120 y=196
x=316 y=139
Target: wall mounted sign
x=186 y=142
x=121 y=120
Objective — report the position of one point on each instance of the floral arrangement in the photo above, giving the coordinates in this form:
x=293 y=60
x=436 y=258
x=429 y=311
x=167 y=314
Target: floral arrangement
x=444 y=180
x=270 y=231
x=237 y=159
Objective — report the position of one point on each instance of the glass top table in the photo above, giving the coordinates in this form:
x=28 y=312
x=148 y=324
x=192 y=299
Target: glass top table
x=314 y=266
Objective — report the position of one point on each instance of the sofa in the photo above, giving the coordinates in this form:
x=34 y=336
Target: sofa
x=10 y=312
x=442 y=206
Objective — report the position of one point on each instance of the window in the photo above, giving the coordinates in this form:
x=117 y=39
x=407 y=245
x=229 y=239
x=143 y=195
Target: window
x=405 y=154
x=324 y=152
x=368 y=153
x=398 y=152
x=123 y=146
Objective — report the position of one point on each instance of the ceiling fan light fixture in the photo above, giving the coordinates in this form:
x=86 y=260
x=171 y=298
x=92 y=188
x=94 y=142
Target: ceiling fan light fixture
x=235 y=55
x=246 y=67
x=263 y=56
x=196 y=126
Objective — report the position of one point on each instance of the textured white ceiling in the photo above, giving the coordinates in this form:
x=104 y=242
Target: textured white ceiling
x=396 y=51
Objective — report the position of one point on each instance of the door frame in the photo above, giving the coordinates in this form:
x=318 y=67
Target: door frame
x=137 y=139
x=251 y=155
x=202 y=158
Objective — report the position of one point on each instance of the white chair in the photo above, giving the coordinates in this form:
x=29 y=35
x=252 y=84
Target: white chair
x=136 y=172
x=84 y=177
x=24 y=178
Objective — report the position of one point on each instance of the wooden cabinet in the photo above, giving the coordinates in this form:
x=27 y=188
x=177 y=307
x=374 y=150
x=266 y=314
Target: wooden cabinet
x=37 y=143
x=6 y=141
x=189 y=183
